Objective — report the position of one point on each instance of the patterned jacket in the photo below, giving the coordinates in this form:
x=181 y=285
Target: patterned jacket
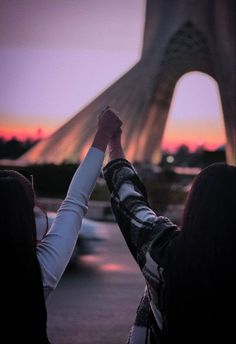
x=148 y=237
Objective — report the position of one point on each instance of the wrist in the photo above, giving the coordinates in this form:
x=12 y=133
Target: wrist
x=101 y=140
x=116 y=152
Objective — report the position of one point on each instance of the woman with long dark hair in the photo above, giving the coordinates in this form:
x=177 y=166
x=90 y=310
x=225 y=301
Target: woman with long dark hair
x=190 y=271
x=31 y=270
x=201 y=274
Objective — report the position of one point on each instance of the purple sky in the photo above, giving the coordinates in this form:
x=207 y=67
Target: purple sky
x=57 y=55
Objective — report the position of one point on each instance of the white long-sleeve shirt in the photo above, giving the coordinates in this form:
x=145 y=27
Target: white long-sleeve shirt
x=55 y=250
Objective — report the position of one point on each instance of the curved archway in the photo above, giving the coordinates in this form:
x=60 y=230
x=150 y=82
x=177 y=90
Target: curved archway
x=195 y=115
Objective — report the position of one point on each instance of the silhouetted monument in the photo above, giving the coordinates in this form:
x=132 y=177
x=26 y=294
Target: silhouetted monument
x=179 y=37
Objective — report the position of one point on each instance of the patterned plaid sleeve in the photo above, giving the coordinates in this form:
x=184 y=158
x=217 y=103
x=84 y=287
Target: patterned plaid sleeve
x=148 y=236
x=144 y=231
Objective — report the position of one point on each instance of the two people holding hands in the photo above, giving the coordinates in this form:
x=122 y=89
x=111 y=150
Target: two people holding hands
x=189 y=272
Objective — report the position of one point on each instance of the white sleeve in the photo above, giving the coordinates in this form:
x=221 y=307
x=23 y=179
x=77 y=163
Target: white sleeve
x=55 y=250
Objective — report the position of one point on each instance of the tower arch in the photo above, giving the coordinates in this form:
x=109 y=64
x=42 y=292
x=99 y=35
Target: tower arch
x=203 y=125
x=192 y=35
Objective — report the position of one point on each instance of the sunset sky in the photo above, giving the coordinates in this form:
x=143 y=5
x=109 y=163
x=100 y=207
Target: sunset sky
x=58 y=55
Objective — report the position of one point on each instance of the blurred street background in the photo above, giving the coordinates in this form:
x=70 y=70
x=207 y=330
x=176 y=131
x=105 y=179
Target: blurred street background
x=96 y=299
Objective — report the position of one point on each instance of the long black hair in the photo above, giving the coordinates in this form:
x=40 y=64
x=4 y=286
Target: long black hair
x=23 y=306
x=201 y=276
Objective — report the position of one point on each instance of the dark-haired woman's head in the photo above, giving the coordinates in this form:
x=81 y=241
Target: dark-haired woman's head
x=211 y=200
x=20 y=271
x=202 y=271
x=16 y=206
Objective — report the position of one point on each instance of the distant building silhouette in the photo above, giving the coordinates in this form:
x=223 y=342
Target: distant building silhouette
x=179 y=37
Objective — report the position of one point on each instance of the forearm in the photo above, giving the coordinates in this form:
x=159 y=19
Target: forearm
x=55 y=250
x=116 y=152
x=115 y=148
x=86 y=175
x=129 y=203
x=100 y=141
x=138 y=222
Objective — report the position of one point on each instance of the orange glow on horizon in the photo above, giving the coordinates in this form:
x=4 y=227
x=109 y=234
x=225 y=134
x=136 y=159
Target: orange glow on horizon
x=172 y=146
x=23 y=133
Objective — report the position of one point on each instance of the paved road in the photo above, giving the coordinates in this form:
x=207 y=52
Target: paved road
x=96 y=299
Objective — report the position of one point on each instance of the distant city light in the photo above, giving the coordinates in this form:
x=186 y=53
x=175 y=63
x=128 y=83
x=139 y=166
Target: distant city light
x=170 y=159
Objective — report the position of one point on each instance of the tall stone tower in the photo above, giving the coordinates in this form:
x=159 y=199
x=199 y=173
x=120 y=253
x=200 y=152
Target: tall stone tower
x=179 y=37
